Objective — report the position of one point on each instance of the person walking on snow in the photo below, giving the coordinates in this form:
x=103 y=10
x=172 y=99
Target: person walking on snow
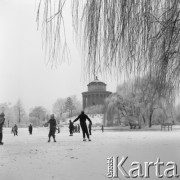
x=58 y=129
x=30 y=129
x=102 y=128
x=78 y=128
x=15 y=130
x=52 y=128
x=2 y=119
x=71 y=128
x=82 y=118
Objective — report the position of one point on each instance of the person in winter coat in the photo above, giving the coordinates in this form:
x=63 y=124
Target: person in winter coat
x=71 y=128
x=2 y=119
x=30 y=129
x=78 y=128
x=102 y=128
x=15 y=130
x=82 y=118
x=52 y=128
x=58 y=129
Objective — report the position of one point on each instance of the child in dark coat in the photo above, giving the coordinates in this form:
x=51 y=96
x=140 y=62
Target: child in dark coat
x=71 y=128
x=30 y=129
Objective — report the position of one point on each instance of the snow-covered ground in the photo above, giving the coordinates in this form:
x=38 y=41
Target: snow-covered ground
x=26 y=157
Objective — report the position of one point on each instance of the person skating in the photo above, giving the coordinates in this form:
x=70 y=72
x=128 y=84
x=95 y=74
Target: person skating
x=89 y=127
x=71 y=128
x=52 y=128
x=30 y=129
x=15 y=130
x=2 y=119
x=102 y=128
x=82 y=117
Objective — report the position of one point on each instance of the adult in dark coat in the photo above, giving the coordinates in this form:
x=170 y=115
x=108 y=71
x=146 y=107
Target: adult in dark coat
x=82 y=118
x=52 y=128
x=71 y=128
x=30 y=129
x=2 y=119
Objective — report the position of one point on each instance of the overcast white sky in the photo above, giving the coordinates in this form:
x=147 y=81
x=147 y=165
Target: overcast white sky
x=23 y=71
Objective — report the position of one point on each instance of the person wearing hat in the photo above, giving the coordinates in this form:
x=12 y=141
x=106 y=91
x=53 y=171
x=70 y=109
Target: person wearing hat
x=2 y=119
x=82 y=118
x=52 y=128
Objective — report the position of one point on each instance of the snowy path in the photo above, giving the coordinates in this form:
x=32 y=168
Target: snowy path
x=28 y=157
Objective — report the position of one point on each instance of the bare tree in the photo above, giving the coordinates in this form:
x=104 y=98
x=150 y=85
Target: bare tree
x=59 y=108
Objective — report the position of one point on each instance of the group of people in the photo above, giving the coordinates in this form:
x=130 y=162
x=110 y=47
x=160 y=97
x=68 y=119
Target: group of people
x=73 y=128
x=86 y=131
x=82 y=118
x=14 y=130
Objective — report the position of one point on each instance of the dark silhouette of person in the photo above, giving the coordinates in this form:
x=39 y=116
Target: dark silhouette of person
x=82 y=117
x=71 y=128
x=52 y=128
x=89 y=127
x=58 y=129
x=30 y=129
x=102 y=128
x=15 y=130
x=2 y=119
x=78 y=128
x=75 y=129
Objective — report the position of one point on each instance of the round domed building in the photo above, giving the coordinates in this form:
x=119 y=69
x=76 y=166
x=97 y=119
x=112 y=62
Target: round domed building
x=96 y=94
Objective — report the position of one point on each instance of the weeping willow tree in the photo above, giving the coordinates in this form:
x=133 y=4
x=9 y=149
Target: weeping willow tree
x=133 y=37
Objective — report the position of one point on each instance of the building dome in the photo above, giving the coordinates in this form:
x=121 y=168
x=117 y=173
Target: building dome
x=96 y=85
x=96 y=94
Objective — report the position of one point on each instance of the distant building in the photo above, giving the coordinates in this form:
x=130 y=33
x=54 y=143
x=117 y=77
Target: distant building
x=96 y=94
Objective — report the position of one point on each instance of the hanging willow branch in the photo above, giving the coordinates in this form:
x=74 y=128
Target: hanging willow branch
x=53 y=30
x=131 y=36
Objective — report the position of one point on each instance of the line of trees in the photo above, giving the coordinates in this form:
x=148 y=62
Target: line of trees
x=139 y=102
x=15 y=114
x=39 y=115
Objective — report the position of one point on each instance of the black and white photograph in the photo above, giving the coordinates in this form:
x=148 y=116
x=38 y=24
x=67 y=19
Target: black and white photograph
x=89 y=89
